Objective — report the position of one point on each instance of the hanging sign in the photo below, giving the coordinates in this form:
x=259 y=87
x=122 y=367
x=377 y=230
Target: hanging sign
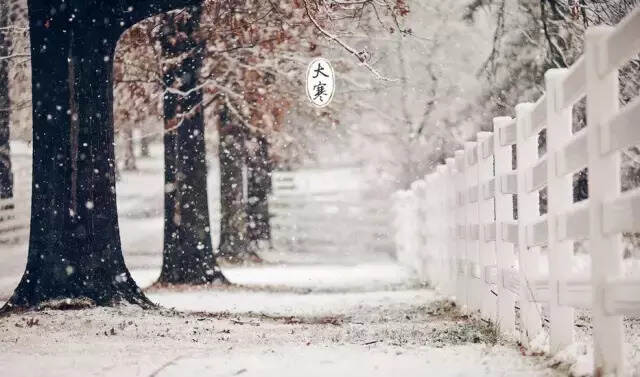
x=321 y=82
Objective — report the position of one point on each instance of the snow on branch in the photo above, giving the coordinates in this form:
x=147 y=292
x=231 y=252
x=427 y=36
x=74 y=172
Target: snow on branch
x=360 y=55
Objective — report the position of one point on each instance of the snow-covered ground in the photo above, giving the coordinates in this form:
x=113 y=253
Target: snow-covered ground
x=367 y=320
x=140 y=208
x=302 y=315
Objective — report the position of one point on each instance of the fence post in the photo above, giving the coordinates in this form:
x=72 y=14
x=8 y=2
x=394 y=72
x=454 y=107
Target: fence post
x=419 y=189
x=433 y=215
x=526 y=152
x=442 y=224
x=397 y=203
x=604 y=182
x=474 y=282
x=505 y=257
x=560 y=198
x=433 y=208
x=426 y=262
x=416 y=241
x=485 y=217
x=451 y=203
x=461 y=236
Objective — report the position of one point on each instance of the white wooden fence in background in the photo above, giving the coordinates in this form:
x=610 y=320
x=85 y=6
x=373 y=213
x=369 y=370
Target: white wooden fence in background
x=457 y=225
x=328 y=212
x=14 y=221
x=15 y=212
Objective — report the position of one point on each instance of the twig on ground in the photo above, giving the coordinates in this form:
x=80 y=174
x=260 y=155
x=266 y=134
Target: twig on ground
x=239 y=322
x=165 y=366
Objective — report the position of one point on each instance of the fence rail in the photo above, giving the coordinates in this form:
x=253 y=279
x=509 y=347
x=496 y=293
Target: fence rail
x=457 y=226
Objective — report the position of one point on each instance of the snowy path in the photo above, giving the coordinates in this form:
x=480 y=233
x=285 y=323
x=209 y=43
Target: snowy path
x=369 y=319
x=315 y=321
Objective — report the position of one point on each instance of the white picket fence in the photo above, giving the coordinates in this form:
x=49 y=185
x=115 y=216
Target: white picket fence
x=14 y=221
x=15 y=212
x=457 y=226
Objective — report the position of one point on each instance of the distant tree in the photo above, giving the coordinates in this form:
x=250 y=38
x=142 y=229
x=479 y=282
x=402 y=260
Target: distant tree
x=259 y=184
x=136 y=100
x=19 y=70
x=129 y=163
x=144 y=146
x=252 y=74
x=6 y=176
x=12 y=35
x=242 y=36
x=234 y=243
x=188 y=256
x=256 y=52
x=74 y=247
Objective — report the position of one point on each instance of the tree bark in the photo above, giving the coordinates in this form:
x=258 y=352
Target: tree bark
x=144 y=146
x=76 y=254
x=234 y=239
x=6 y=177
x=188 y=256
x=129 y=152
x=258 y=189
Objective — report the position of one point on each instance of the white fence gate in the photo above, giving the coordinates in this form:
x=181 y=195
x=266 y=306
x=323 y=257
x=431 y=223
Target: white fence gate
x=469 y=245
x=310 y=215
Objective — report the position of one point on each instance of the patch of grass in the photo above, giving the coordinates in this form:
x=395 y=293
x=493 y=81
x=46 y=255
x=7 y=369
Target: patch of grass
x=459 y=328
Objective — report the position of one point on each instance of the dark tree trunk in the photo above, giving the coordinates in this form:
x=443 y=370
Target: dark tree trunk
x=76 y=253
x=258 y=189
x=188 y=256
x=129 y=151
x=144 y=146
x=6 y=177
x=234 y=241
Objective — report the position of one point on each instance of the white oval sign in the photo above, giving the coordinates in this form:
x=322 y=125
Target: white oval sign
x=321 y=82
